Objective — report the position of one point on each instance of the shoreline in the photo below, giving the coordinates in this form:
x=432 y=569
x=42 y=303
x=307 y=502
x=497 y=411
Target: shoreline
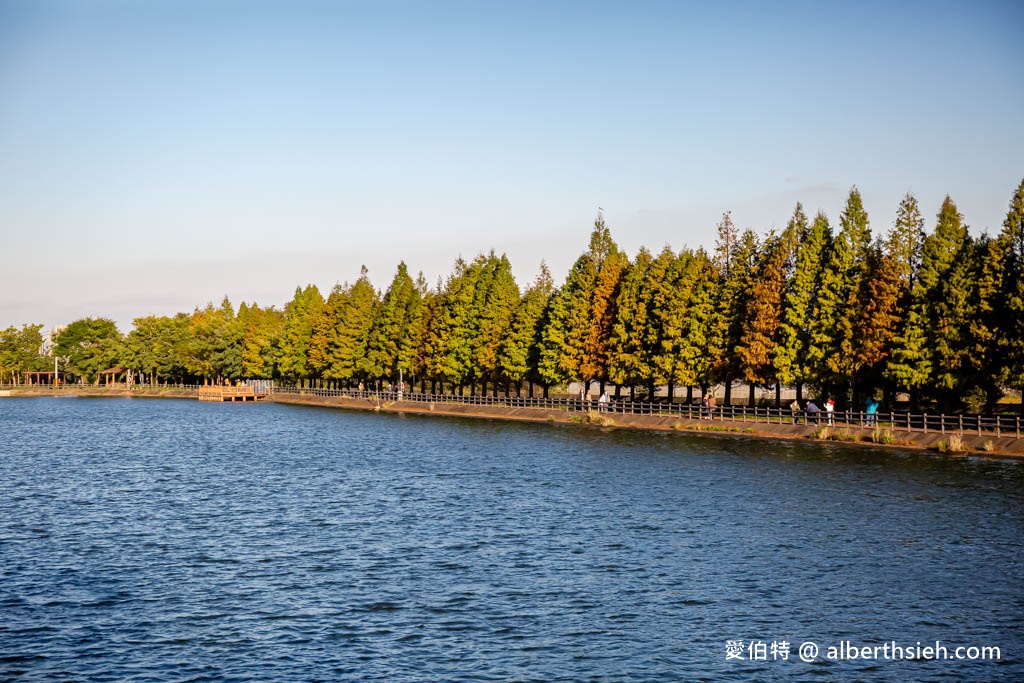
x=1005 y=447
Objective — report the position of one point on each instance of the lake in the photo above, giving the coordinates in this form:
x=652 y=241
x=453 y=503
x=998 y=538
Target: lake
x=177 y=540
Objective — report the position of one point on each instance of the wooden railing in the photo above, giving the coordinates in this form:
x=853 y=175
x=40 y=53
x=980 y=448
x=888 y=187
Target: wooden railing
x=999 y=426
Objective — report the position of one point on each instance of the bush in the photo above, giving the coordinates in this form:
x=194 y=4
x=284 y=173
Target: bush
x=955 y=444
x=989 y=446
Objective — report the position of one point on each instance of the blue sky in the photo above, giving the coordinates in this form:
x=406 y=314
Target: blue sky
x=158 y=155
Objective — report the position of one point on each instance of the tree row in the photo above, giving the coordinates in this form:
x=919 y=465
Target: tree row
x=928 y=310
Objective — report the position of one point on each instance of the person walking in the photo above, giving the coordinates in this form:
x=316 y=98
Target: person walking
x=602 y=403
x=712 y=404
x=830 y=409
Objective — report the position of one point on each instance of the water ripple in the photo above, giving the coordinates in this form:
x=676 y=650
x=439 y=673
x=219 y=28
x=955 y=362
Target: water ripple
x=172 y=540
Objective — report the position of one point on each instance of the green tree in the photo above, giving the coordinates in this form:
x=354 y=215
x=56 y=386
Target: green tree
x=293 y=361
x=631 y=354
x=983 y=352
x=90 y=345
x=20 y=352
x=574 y=345
x=1011 y=304
x=520 y=349
x=839 y=296
x=912 y=365
x=349 y=338
x=261 y=331
x=793 y=358
x=736 y=260
x=415 y=331
x=453 y=334
x=158 y=345
x=496 y=305
x=215 y=345
x=394 y=323
x=686 y=352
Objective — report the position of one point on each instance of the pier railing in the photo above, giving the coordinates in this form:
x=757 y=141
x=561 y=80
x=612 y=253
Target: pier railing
x=998 y=426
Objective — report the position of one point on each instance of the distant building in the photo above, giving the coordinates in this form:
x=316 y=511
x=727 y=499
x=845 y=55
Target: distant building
x=51 y=340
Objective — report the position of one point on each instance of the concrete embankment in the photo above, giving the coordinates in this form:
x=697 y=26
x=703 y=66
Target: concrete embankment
x=997 y=447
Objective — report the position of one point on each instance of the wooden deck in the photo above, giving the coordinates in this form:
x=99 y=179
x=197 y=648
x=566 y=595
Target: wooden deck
x=219 y=394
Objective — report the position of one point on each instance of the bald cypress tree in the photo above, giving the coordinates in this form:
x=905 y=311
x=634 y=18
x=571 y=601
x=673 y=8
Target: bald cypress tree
x=517 y=358
x=951 y=366
x=629 y=361
x=323 y=328
x=690 y=334
x=762 y=327
x=581 y=316
x=1011 y=308
x=886 y=294
x=496 y=308
x=984 y=357
x=839 y=296
x=881 y=312
x=795 y=359
x=913 y=364
x=391 y=326
x=563 y=342
x=685 y=313
x=353 y=321
x=736 y=262
x=610 y=268
x=293 y=361
x=666 y=294
x=456 y=325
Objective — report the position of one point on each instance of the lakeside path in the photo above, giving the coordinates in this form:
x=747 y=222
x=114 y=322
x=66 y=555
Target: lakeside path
x=1004 y=447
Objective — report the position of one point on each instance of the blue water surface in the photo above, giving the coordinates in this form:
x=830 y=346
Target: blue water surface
x=172 y=540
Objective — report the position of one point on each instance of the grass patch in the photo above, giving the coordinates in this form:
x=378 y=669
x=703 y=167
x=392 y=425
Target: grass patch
x=822 y=434
x=830 y=434
x=883 y=436
x=845 y=435
x=714 y=428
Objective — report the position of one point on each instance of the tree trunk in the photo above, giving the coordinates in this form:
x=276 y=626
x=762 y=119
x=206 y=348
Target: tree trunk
x=671 y=391
x=689 y=393
x=778 y=394
x=727 y=400
x=752 y=396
